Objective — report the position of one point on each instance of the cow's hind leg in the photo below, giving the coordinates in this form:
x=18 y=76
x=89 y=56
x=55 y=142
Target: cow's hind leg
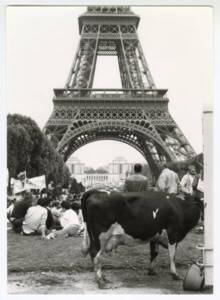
x=98 y=270
x=172 y=252
x=100 y=278
x=154 y=250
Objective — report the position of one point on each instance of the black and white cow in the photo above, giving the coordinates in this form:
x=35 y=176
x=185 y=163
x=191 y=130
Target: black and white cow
x=127 y=218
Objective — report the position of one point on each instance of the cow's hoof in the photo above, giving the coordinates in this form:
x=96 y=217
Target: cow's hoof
x=101 y=284
x=152 y=272
x=104 y=285
x=176 y=277
x=105 y=279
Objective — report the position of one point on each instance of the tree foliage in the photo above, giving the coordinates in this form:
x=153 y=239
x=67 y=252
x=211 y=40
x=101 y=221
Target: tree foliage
x=100 y=170
x=29 y=150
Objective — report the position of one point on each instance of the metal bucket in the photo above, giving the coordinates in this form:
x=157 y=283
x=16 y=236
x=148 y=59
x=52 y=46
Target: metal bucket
x=194 y=279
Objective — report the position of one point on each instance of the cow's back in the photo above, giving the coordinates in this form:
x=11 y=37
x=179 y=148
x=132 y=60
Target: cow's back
x=140 y=214
x=145 y=214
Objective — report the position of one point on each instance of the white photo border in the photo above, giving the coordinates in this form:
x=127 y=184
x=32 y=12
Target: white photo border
x=3 y=112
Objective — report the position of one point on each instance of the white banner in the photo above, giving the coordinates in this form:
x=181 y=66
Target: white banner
x=17 y=186
x=200 y=186
x=36 y=183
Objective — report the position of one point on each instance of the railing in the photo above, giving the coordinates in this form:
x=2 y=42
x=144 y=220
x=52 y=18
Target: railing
x=70 y=93
x=109 y=9
x=109 y=35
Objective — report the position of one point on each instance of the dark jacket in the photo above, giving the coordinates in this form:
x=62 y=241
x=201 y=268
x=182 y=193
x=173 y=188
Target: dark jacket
x=20 y=208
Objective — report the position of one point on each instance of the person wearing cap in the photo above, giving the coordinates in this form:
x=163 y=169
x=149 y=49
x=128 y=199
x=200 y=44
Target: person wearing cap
x=35 y=219
x=168 y=180
x=136 y=182
x=23 y=202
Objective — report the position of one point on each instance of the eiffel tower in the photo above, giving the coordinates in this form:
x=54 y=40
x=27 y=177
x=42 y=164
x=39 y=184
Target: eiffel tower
x=137 y=114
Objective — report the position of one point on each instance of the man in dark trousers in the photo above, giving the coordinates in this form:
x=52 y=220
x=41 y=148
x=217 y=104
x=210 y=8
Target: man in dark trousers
x=136 y=182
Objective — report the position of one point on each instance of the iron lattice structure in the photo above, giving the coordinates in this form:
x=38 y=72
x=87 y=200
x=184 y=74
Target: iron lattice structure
x=137 y=114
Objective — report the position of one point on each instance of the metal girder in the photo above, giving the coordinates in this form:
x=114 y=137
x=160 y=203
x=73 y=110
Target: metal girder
x=137 y=114
x=113 y=126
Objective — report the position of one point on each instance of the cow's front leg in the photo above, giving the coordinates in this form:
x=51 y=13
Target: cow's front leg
x=172 y=252
x=154 y=250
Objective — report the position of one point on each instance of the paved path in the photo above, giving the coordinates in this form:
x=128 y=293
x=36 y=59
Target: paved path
x=84 y=283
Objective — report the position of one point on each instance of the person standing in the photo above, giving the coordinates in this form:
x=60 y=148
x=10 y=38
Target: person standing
x=168 y=181
x=136 y=182
x=189 y=181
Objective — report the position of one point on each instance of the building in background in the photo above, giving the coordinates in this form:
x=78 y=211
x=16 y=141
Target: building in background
x=119 y=169
x=76 y=168
x=120 y=166
x=112 y=175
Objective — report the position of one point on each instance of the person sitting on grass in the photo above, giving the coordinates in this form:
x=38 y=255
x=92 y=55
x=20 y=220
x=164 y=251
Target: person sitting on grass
x=69 y=222
x=56 y=213
x=23 y=202
x=10 y=206
x=35 y=219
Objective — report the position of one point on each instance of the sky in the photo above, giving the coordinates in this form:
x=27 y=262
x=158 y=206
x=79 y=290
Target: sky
x=177 y=43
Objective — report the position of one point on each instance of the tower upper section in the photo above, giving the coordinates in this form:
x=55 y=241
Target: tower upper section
x=113 y=19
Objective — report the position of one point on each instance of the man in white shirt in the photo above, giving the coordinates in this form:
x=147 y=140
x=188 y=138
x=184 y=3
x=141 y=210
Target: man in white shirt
x=69 y=222
x=188 y=180
x=168 y=181
x=35 y=219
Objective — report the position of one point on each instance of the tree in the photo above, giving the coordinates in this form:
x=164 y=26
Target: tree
x=29 y=150
x=66 y=176
x=89 y=170
x=101 y=170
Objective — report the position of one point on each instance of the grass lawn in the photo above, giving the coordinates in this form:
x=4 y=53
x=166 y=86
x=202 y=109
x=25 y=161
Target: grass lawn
x=57 y=266
x=30 y=253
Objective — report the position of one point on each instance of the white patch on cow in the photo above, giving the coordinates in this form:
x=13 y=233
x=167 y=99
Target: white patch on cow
x=116 y=236
x=117 y=229
x=155 y=213
x=172 y=251
x=103 y=190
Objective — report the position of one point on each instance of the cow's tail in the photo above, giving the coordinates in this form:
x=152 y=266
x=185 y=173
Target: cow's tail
x=84 y=198
x=86 y=239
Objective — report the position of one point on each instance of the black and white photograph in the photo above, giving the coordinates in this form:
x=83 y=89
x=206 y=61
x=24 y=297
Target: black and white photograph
x=109 y=145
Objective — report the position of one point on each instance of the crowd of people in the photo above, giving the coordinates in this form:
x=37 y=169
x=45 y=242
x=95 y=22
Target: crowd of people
x=52 y=214
x=168 y=181
x=46 y=214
